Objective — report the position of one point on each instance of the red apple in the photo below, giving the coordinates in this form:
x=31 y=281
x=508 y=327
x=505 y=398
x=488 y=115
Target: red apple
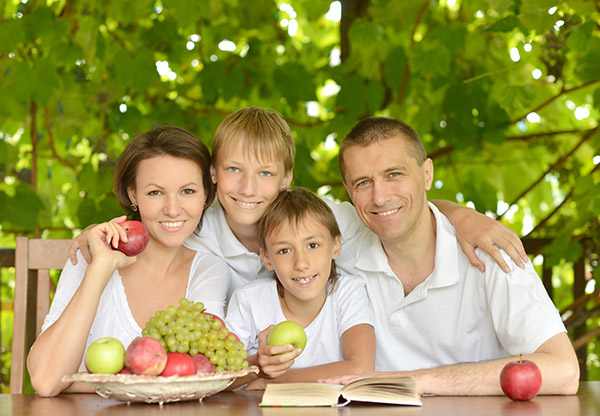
x=137 y=238
x=179 y=364
x=145 y=355
x=521 y=380
x=203 y=364
x=125 y=371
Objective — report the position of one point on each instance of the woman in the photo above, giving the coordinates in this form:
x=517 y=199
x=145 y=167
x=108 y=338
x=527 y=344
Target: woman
x=163 y=179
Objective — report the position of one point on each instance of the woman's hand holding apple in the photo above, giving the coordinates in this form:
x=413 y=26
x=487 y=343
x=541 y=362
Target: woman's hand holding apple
x=274 y=360
x=101 y=238
x=81 y=242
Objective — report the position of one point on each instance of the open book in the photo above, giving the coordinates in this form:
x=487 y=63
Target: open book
x=389 y=390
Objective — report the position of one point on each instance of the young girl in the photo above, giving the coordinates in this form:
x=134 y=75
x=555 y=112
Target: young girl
x=299 y=240
x=162 y=178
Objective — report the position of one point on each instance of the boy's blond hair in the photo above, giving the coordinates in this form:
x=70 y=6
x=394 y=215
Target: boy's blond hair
x=265 y=135
x=292 y=207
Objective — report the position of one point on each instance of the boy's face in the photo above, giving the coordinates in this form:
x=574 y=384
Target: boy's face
x=301 y=257
x=246 y=186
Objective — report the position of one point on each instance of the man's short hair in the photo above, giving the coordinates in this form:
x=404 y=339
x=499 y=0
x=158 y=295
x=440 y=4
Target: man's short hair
x=265 y=135
x=373 y=129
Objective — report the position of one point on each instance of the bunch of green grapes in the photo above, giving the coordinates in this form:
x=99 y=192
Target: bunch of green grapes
x=187 y=329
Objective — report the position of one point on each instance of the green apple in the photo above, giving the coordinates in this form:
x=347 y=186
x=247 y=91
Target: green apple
x=287 y=332
x=105 y=356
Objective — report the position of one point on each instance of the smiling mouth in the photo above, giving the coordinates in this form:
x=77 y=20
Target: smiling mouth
x=304 y=280
x=172 y=224
x=386 y=213
x=246 y=205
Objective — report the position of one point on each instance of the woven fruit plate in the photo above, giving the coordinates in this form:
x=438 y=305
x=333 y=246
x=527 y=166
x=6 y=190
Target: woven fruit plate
x=151 y=389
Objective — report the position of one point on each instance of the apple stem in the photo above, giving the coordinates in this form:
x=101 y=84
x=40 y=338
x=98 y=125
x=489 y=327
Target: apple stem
x=520 y=358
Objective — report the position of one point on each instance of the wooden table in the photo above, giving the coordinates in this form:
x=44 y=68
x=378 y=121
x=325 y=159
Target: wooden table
x=585 y=403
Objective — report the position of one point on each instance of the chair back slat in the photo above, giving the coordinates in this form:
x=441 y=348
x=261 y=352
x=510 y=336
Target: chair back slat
x=34 y=258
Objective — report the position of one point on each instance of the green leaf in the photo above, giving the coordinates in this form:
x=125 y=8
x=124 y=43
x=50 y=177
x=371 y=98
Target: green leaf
x=359 y=97
x=294 y=83
x=24 y=208
x=577 y=40
x=589 y=64
x=11 y=35
x=45 y=81
x=394 y=67
x=507 y=24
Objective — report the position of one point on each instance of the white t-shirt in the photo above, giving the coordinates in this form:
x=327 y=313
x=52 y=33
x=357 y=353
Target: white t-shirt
x=458 y=314
x=255 y=306
x=208 y=283
x=217 y=238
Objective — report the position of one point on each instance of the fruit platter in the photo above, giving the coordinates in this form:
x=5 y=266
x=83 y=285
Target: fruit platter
x=184 y=353
x=152 y=389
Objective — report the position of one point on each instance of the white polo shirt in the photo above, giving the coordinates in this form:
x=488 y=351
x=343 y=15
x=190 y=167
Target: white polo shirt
x=208 y=282
x=458 y=314
x=217 y=238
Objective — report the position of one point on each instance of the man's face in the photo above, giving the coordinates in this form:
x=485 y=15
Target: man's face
x=387 y=186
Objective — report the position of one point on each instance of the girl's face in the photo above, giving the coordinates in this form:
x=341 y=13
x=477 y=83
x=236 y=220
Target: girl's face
x=301 y=257
x=170 y=197
x=246 y=186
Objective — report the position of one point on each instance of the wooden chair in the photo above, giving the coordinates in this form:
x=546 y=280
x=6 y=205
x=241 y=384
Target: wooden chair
x=34 y=258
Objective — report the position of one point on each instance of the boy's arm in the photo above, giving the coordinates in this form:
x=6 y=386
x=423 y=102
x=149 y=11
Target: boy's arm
x=358 y=352
x=474 y=229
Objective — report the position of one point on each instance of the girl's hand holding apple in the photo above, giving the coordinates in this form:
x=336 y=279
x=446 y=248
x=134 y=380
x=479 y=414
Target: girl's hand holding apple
x=274 y=360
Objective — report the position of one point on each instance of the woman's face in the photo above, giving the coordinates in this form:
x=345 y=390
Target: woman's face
x=170 y=196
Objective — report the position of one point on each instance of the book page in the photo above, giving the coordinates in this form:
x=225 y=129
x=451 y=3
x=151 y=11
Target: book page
x=301 y=394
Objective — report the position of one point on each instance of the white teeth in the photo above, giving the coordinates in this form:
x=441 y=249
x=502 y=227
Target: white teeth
x=384 y=213
x=247 y=204
x=172 y=224
x=304 y=280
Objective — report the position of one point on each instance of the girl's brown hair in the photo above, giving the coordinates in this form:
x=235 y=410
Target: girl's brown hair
x=293 y=207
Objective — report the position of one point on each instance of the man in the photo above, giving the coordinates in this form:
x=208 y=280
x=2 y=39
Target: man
x=436 y=316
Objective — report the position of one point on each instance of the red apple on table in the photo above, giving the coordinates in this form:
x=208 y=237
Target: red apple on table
x=203 y=364
x=179 y=364
x=521 y=380
x=146 y=356
x=137 y=238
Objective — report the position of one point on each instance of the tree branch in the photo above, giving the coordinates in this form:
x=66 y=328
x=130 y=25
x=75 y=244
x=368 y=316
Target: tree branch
x=527 y=137
x=406 y=73
x=53 y=146
x=550 y=169
x=351 y=10
x=554 y=97
x=559 y=206
x=34 y=134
